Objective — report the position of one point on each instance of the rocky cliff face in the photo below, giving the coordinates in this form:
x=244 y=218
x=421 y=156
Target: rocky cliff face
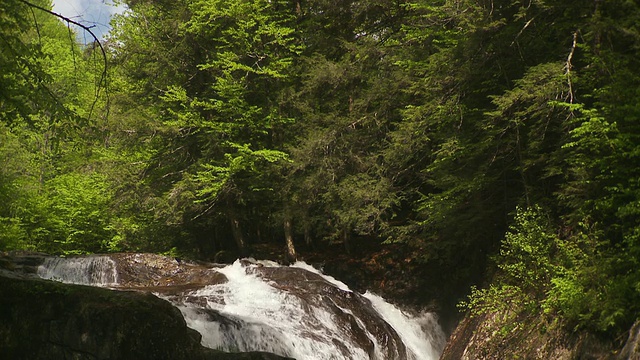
x=488 y=337
x=42 y=319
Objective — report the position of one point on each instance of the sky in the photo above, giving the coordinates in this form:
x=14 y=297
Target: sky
x=88 y=13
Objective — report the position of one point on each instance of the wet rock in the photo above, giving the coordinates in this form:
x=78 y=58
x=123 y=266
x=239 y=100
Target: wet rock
x=162 y=274
x=20 y=263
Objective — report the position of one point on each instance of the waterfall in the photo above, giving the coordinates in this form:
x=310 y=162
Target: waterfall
x=293 y=311
x=259 y=308
x=256 y=316
x=413 y=329
x=86 y=270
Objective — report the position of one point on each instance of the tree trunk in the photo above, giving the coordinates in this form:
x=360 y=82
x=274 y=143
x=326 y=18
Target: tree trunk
x=346 y=241
x=237 y=235
x=307 y=236
x=288 y=236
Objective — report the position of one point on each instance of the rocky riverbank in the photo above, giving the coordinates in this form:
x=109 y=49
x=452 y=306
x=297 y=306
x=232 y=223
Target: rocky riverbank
x=140 y=305
x=490 y=337
x=42 y=319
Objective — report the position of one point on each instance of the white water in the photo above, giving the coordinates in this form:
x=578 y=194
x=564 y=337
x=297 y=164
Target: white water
x=249 y=313
x=422 y=333
x=90 y=270
x=269 y=319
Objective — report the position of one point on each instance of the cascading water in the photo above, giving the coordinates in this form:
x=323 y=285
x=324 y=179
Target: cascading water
x=413 y=330
x=302 y=314
x=292 y=311
x=86 y=270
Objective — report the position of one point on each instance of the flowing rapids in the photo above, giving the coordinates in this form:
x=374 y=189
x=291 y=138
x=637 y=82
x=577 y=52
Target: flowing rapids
x=293 y=311
x=91 y=270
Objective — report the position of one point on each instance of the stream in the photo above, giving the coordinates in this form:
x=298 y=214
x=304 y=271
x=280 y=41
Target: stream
x=250 y=305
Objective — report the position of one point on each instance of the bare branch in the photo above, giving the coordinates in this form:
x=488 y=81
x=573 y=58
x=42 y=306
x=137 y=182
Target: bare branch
x=103 y=77
x=568 y=65
x=526 y=25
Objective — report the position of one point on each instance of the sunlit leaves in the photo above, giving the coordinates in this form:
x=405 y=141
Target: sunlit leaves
x=211 y=179
x=248 y=36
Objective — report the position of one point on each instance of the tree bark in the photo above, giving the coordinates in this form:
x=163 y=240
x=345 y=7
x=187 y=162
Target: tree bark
x=288 y=236
x=346 y=241
x=307 y=235
x=237 y=235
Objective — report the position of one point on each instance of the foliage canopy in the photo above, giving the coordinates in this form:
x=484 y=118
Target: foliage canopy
x=492 y=137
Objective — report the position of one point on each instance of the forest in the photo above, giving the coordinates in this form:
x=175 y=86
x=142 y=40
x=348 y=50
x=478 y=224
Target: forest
x=497 y=140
